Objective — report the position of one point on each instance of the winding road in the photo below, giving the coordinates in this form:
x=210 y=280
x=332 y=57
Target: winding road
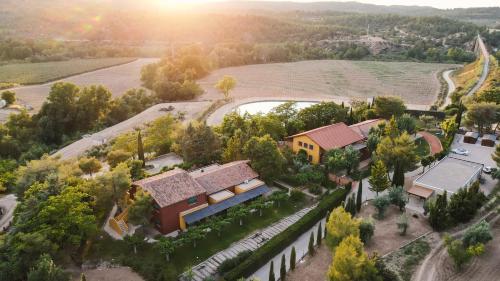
x=486 y=67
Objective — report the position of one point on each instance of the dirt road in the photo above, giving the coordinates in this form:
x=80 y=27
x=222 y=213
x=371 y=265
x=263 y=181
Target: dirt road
x=192 y=110
x=8 y=204
x=486 y=67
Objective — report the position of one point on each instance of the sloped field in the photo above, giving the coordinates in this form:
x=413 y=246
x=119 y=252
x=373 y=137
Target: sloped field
x=416 y=83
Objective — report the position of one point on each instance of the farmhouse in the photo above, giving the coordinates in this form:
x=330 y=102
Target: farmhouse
x=450 y=174
x=182 y=198
x=317 y=141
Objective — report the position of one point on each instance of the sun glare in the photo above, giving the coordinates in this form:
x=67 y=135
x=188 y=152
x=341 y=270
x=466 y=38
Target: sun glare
x=180 y=3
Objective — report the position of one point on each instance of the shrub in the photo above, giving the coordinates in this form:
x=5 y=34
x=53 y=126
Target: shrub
x=398 y=197
x=478 y=233
x=279 y=242
x=296 y=195
x=293 y=256
x=381 y=203
x=315 y=189
x=403 y=224
x=229 y=264
x=366 y=230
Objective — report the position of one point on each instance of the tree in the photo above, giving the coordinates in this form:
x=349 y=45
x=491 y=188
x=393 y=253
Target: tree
x=438 y=212
x=165 y=246
x=403 y=224
x=225 y=85
x=160 y=134
x=141 y=209
x=378 y=177
x=279 y=197
x=398 y=197
x=310 y=246
x=340 y=225
x=115 y=157
x=83 y=278
x=465 y=202
x=449 y=127
x=351 y=263
x=134 y=241
x=234 y=147
x=218 y=224
x=199 y=145
x=283 y=268
x=238 y=212
x=406 y=123
x=496 y=155
x=319 y=234
x=140 y=149
x=366 y=230
x=428 y=121
x=260 y=204
x=479 y=233
x=120 y=181
x=359 y=196
x=483 y=114
x=287 y=114
x=46 y=270
x=386 y=106
x=292 y=258
x=424 y=162
x=89 y=165
x=265 y=157
x=92 y=105
x=271 y=272
x=461 y=254
x=381 y=203
x=351 y=158
x=321 y=114
x=9 y=97
x=335 y=160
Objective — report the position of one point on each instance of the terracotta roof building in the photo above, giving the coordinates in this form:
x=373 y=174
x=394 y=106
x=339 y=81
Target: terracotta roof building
x=363 y=128
x=178 y=194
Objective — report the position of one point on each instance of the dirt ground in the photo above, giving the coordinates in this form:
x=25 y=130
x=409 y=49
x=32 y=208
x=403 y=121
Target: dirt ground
x=312 y=268
x=111 y=274
x=483 y=268
x=385 y=240
x=387 y=237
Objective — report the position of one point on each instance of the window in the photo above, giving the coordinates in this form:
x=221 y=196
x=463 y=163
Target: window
x=305 y=145
x=311 y=147
x=300 y=143
x=310 y=158
x=192 y=200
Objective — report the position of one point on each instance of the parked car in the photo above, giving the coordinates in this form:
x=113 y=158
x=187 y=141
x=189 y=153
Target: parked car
x=460 y=151
x=487 y=169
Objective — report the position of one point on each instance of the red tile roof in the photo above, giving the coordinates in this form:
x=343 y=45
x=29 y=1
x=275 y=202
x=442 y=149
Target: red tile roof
x=225 y=176
x=333 y=136
x=363 y=128
x=171 y=187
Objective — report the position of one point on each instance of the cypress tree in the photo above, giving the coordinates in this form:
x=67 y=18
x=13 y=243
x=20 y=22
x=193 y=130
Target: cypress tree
x=359 y=196
x=319 y=237
x=271 y=272
x=311 y=244
x=292 y=258
x=283 y=268
x=353 y=205
x=140 y=149
x=398 y=179
x=83 y=278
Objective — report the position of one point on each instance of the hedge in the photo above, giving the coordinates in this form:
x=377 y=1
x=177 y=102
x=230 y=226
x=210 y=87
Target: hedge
x=279 y=242
x=417 y=113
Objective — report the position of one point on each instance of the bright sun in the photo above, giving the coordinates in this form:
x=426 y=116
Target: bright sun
x=180 y=3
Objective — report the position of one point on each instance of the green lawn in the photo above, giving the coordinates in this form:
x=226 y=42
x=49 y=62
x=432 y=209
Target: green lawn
x=423 y=148
x=36 y=73
x=152 y=266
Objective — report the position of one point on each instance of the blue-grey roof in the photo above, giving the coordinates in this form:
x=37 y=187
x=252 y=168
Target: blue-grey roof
x=224 y=205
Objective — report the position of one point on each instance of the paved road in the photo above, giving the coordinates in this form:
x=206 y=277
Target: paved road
x=192 y=109
x=8 y=204
x=252 y=242
x=486 y=67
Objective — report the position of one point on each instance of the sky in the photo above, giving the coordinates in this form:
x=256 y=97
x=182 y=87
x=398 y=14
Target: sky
x=442 y=4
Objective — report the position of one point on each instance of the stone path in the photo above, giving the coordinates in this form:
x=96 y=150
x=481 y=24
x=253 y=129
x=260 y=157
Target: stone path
x=208 y=268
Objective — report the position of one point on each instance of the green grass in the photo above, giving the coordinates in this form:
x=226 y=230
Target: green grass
x=152 y=266
x=422 y=147
x=36 y=73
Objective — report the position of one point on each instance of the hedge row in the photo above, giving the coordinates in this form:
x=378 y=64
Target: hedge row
x=417 y=113
x=279 y=242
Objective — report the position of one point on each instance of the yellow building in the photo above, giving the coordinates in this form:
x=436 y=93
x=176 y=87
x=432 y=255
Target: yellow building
x=317 y=141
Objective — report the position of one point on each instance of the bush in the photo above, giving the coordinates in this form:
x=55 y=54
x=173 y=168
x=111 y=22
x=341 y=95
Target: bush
x=296 y=195
x=229 y=264
x=478 y=233
x=279 y=242
x=381 y=203
x=315 y=189
x=366 y=230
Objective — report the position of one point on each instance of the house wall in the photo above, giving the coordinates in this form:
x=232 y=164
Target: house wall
x=169 y=215
x=315 y=153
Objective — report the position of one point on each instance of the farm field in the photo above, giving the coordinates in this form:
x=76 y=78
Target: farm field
x=118 y=79
x=36 y=73
x=416 y=83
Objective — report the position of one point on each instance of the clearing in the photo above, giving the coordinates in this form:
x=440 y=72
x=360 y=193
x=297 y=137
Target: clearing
x=118 y=79
x=416 y=83
x=36 y=73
